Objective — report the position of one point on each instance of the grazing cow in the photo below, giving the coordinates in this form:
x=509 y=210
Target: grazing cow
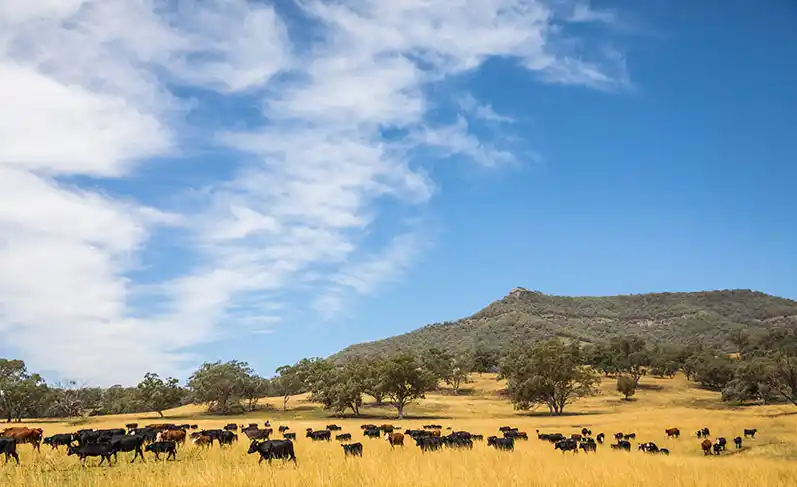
x=372 y=433
x=370 y=427
x=257 y=434
x=622 y=445
x=386 y=428
x=394 y=439
x=322 y=435
x=430 y=443
x=202 y=440
x=568 y=444
x=588 y=446
x=333 y=427
x=289 y=436
x=517 y=435
x=629 y=436
x=706 y=446
x=600 y=438
x=738 y=441
x=102 y=450
x=507 y=444
x=751 y=433
x=127 y=443
x=231 y=427
x=722 y=442
x=283 y=428
x=227 y=438
x=64 y=439
x=717 y=448
x=649 y=447
x=455 y=441
x=8 y=447
x=177 y=436
x=343 y=437
x=270 y=449
x=168 y=447
x=353 y=449
x=673 y=432
x=32 y=436
x=131 y=426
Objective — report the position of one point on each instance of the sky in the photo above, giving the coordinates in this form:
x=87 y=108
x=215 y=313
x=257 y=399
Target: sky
x=264 y=181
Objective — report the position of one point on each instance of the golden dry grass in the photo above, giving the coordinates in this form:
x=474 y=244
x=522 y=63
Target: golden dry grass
x=767 y=461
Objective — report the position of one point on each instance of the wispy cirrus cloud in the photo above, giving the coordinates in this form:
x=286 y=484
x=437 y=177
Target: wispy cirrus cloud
x=94 y=89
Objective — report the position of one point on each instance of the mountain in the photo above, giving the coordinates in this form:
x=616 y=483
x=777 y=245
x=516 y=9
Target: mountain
x=659 y=318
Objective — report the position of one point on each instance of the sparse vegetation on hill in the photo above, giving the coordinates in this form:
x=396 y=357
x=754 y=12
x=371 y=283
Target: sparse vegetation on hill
x=710 y=318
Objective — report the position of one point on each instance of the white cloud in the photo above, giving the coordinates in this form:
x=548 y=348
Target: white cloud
x=88 y=88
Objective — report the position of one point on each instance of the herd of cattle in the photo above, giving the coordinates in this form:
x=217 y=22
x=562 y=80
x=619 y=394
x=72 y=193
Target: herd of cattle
x=160 y=439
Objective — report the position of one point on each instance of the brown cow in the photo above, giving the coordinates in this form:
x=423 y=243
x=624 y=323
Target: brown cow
x=395 y=439
x=706 y=446
x=32 y=436
x=177 y=436
x=673 y=432
x=203 y=440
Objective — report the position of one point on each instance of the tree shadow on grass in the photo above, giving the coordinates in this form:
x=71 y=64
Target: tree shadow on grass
x=546 y=414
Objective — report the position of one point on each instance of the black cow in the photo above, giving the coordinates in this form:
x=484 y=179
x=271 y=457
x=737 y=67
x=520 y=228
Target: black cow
x=63 y=439
x=343 y=437
x=368 y=427
x=568 y=444
x=588 y=446
x=283 y=428
x=622 y=445
x=289 y=436
x=751 y=433
x=600 y=437
x=270 y=449
x=150 y=434
x=454 y=441
x=738 y=441
x=372 y=433
x=618 y=436
x=717 y=448
x=664 y=451
x=333 y=427
x=227 y=438
x=501 y=443
x=629 y=436
x=353 y=449
x=477 y=437
x=586 y=432
x=231 y=427
x=517 y=435
x=102 y=450
x=321 y=435
x=127 y=443
x=131 y=426
x=504 y=429
x=648 y=447
x=194 y=426
x=168 y=447
x=8 y=447
x=722 y=442
x=430 y=443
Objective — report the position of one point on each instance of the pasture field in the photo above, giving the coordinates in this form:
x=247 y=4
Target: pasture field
x=770 y=460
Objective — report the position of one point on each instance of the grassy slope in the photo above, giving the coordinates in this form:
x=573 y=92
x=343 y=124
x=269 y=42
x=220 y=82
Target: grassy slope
x=767 y=461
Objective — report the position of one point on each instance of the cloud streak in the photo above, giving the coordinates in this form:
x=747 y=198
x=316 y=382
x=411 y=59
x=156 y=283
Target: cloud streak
x=344 y=115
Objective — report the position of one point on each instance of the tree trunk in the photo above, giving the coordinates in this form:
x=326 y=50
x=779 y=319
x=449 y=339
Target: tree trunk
x=400 y=408
x=160 y=413
x=285 y=403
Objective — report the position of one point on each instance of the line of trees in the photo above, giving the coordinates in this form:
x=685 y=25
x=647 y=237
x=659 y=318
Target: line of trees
x=551 y=374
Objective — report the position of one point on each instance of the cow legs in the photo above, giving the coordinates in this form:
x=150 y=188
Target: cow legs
x=172 y=454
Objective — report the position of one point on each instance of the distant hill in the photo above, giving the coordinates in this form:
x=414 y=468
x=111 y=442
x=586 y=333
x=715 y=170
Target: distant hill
x=660 y=318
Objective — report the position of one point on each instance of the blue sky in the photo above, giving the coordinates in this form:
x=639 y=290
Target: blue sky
x=268 y=181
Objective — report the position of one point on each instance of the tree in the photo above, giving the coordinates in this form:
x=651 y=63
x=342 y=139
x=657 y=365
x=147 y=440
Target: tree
x=740 y=339
x=783 y=377
x=457 y=373
x=631 y=356
x=156 y=394
x=626 y=386
x=289 y=382
x=20 y=391
x=68 y=400
x=341 y=387
x=483 y=359
x=751 y=382
x=549 y=373
x=405 y=380
x=437 y=362
x=372 y=379
x=713 y=371
x=220 y=385
x=253 y=388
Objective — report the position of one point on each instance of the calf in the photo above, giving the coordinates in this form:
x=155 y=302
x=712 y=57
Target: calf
x=270 y=449
x=353 y=449
x=343 y=437
x=395 y=439
x=63 y=439
x=738 y=441
x=8 y=447
x=751 y=433
x=102 y=450
x=168 y=447
x=673 y=432
x=507 y=444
